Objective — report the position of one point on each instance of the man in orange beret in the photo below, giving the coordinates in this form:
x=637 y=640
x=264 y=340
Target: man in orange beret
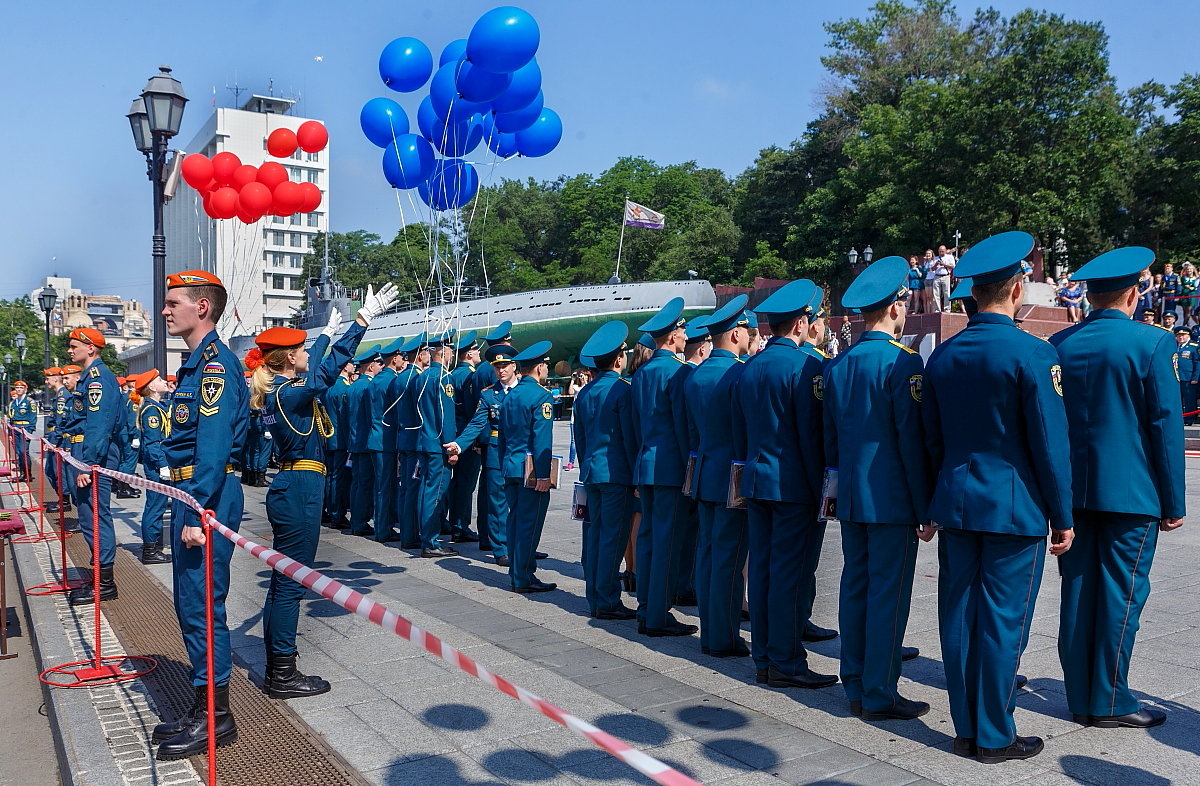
x=53 y=434
x=104 y=416
x=128 y=440
x=22 y=415
x=153 y=425
x=70 y=430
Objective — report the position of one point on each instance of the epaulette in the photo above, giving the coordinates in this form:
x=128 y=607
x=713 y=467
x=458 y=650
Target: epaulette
x=626 y=380
x=93 y=371
x=210 y=352
x=826 y=355
x=909 y=350
x=678 y=359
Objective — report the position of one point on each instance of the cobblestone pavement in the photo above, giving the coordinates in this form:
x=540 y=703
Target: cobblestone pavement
x=401 y=716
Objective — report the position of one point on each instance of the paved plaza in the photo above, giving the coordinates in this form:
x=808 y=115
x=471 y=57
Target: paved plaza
x=400 y=716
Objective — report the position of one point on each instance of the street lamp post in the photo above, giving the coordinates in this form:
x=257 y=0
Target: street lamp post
x=852 y=256
x=46 y=300
x=154 y=118
x=19 y=343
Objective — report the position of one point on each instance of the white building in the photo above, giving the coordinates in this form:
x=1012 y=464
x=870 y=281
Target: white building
x=260 y=263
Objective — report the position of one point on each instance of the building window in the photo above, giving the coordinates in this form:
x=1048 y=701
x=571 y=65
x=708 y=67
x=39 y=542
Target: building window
x=298 y=154
x=314 y=157
x=296 y=239
x=280 y=238
x=314 y=219
x=297 y=173
x=312 y=175
x=276 y=219
x=295 y=219
x=297 y=261
x=276 y=282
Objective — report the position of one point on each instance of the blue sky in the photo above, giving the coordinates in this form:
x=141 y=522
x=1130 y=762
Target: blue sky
x=708 y=81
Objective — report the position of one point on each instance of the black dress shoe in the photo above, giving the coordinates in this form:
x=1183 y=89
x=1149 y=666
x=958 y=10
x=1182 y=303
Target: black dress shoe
x=1144 y=718
x=50 y=507
x=903 y=709
x=502 y=562
x=1082 y=720
x=326 y=518
x=805 y=679
x=540 y=555
x=856 y=709
x=740 y=650
x=760 y=676
x=817 y=633
x=672 y=627
x=623 y=613
x=685 y=599
x=440 y=551
x=965 y=747
x=536 y=586
x=1021 y=748
x=1022 y=681
x=392 y=538
x=465 y=537
x=909 y=653
x=413 y=545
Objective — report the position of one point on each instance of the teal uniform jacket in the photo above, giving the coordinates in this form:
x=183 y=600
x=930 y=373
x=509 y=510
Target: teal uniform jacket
x=526 y=427
x=382 y=436
x=1123 y=408
x=466 y=397
x=432 y=393
x=154 y=422
x=58 y=412
x=872 y=411
x=402 y=404
x=779 y=391
x=358 y=405
x=660 y=420
x=1187 y=361
x=336 y=405
x=106 y=413
x=604 y=430
x=23 y=414
x=1002 y=461
x=484 y=428
x=710 y=393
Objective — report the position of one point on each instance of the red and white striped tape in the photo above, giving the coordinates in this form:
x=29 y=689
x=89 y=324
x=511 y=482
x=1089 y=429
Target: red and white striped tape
x=359 y=604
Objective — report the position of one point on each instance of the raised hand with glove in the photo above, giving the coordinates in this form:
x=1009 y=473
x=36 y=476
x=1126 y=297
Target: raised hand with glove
x=376 y=303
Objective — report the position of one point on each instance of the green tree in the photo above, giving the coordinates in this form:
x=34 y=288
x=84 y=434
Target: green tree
x=18 y=316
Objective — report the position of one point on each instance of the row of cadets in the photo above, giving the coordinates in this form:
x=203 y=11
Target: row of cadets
x=464 y=475
x=154 y=425
x=416 y=352
x=483 y=432
x=128 y=441
x=69 y=430
x=337 y=478
x=289 y=396
x=104 y=416
x=53 y=433
x=22 y=416
x=428 y=423
x=485 y=377
x=362 y=465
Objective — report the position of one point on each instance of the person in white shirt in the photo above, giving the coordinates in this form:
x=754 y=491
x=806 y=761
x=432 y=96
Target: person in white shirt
x=943 y=269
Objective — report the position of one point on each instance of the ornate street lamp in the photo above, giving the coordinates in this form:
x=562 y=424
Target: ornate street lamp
x=868 y=254
x=19 y=343
x=46 y=300
x=852 y=256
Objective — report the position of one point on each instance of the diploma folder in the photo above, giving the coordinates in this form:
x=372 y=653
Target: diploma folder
x=555 y=471
x=733 y=497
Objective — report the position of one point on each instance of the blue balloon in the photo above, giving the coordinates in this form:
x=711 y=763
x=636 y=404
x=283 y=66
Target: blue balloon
x=427 y=117
x=408 y=161
x=382 y=120
x=456 y=139
x=503 y=40
x=453 y=184
x=500 y=143
x=475 y=84
x=524 y=117
x=526 y=82
x=541 y=137
x=405 y=64
x=444 y=93
x=455 y=50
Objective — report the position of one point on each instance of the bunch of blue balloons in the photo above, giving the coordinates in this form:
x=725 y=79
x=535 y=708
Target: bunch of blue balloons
x=487 y=89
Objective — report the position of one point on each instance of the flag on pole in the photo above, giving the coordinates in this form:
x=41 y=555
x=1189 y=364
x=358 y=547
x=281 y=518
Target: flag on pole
x=641 y=216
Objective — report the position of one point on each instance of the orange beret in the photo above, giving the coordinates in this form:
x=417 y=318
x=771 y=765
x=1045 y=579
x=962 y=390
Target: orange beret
x=142 y=380
x=72 y=370
x=20 y=383
x=121 y=381
x=53 y=371
x=170 y=377
x=193 y=278
x=87 y=336
x=277 y=337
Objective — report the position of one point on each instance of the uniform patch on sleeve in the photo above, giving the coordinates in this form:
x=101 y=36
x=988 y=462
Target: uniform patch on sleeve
x=182 y=413
x=1056 y=378
x=211 y=389
x=818 y=387
x=449 y=389
x=547 y=410
x=95 y=392
x=914 y=387
x=153 y=421
x=214 y=368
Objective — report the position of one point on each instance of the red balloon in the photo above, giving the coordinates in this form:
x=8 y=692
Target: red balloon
x=246 y=218
x=224 y=202
x=288 y=197
x=272 y=174
x=255 y=199
x=312 y=198
x=312 y=136
x=244 y=176
x=207 y=202
x=197 y=170
x=282 y=142
x=224 y=165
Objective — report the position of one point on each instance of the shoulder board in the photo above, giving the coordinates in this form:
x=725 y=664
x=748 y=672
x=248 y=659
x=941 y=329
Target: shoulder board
x=826 y=355
x=909 y=350
x=626 y=380
x=677 y=359
x=93 y=371
x=209 y=352
x=1163 y=327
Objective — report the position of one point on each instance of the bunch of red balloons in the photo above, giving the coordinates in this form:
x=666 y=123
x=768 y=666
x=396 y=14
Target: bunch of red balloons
x=232 y=189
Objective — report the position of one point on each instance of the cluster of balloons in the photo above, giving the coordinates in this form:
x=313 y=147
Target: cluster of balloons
x=232 y=189
x=487 y=89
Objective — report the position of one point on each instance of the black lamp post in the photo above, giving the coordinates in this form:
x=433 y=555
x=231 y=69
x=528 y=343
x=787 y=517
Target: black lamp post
x=46 y=300
x=154 y=118
x=19 y=343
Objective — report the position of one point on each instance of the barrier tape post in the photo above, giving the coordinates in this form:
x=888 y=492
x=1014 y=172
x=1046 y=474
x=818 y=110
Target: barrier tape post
x=211 y=689
x=63 y=584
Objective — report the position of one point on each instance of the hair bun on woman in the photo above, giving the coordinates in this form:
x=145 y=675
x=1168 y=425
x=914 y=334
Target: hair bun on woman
x=254 y=358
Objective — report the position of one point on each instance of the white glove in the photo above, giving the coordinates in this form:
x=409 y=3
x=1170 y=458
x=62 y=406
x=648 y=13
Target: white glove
x=376 y=303
x=164 y=474
x=335 y=321
x=267 y=435
x=135 y=444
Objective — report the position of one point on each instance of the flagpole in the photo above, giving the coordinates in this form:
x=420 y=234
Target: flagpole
x=621 y=242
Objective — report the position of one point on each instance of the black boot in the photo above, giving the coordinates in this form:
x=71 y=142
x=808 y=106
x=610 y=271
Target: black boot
x=152 y=554
x=261 y=480
x=165 y=731
x=124 y=490
x=84 y=595
x=283 y=681
x=192 y=738
x=247 y=477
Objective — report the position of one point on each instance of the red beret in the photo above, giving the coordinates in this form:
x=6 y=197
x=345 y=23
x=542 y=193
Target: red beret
x=193 y=278
x=277 y=337
x=88 y=336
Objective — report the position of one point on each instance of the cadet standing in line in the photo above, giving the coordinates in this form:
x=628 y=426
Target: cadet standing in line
x=53 y=433
x=362 y=467
x=288 y=392
x=1127 y=465
x=874 y=440
x=660 y=423
x=70 y=431
x=337 y=479
x=22 y=416
x=129 y=441
x=527 y=432
x=154 y=424
x=607 y=447
x=1187 y=367
x=778 y=392
x=382 y=443
x=209 y=412
x=104 y=417
x=256 y=451
x=406 y=422
x=464 y=476
x=483 y=431
x=696 y=349
x=432 y=396
x=710 y=393
x=484 y=378
x=996 y=425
